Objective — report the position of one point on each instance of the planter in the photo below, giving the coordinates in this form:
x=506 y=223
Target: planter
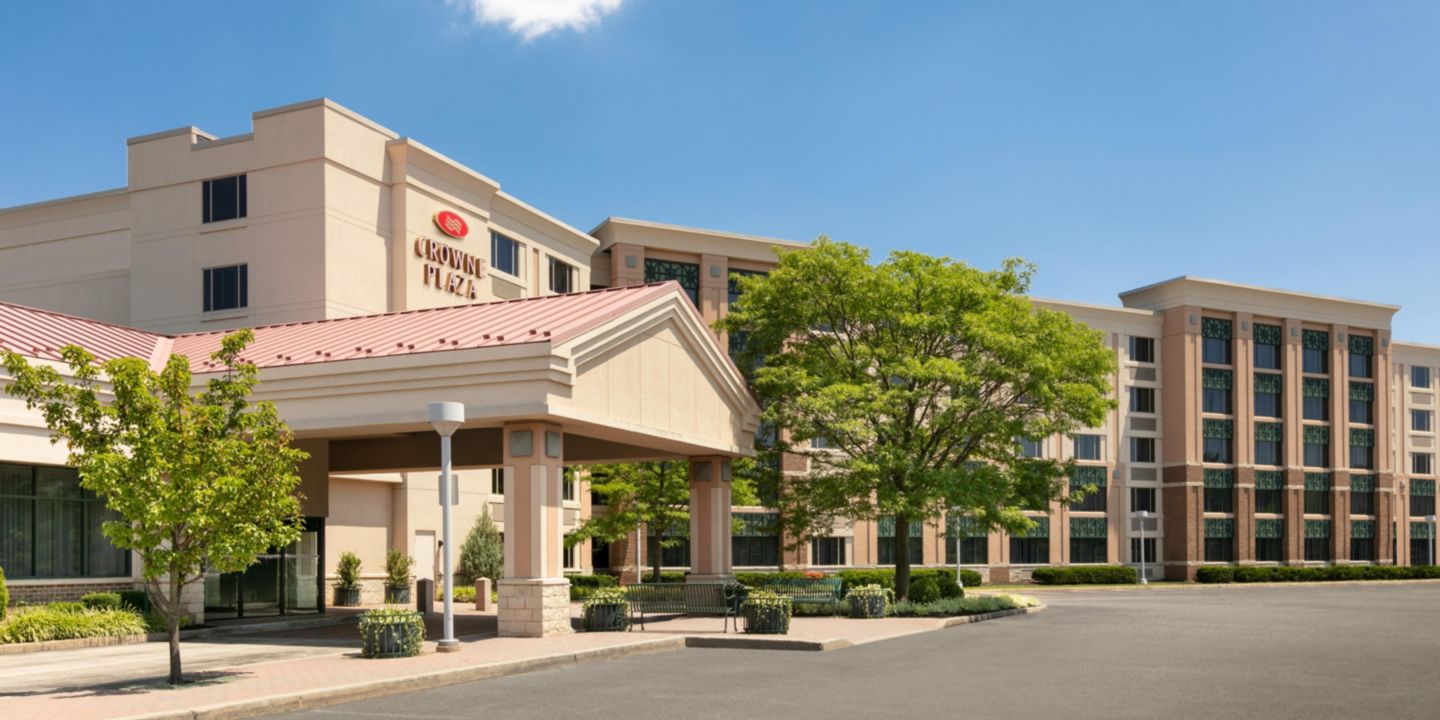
x=867 y=606
x=347 y=597
x=606 y=618
x=766 y=619
x=397 y=594
x=391 y=634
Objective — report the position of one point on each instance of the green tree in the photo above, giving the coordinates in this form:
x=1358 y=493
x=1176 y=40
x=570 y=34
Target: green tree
x=653 y=494
x=202 y=482
x=483 y=554
x=907 y=384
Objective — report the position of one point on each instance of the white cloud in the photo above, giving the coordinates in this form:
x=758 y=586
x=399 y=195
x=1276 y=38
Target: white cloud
x=532 y=18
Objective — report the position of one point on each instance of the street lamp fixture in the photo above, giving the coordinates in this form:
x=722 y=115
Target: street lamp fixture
x=446 y=418
x=1142 y=516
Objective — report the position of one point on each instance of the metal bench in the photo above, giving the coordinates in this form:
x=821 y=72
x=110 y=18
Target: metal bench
x=806 y=591
x=682 y=599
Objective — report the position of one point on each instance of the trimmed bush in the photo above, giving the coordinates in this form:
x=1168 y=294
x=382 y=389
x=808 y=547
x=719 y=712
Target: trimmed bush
x=885 y=577
x=949 y=607
x=483 y=553
x=347 y=571
x=136 y=600
x=1329 y=573
x=1215 y=574
x=101 y=601
x=583 y=587
x=46 y=622
x=1085 y=575
x=391 y=632
x=463 y=593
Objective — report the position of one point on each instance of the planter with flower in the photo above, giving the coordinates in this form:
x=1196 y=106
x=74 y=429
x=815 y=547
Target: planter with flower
x=397 y=577
x=347 y=587
x=607 y=610
x=869 y=601
x=766 y=613
x=391 y=633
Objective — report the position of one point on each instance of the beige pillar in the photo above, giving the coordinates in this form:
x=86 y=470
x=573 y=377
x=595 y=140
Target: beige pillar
x=710 y=520
x=534 y=595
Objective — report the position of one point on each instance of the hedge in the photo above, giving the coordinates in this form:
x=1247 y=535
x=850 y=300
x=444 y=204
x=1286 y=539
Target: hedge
x=944 y=579
x=583 y=586
x=136 y=599
x=1329 y=573
x=1085 y=575
x=949 y=607
x=46 y=622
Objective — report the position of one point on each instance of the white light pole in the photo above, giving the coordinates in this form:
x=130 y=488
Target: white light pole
x=446 y=418
x=1142 y=516
x=959 y=581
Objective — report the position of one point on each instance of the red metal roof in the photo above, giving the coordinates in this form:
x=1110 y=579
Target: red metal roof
x=553 y=318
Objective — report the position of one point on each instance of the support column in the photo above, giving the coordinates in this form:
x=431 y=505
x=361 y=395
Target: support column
x=534 y=595
x=710 y=520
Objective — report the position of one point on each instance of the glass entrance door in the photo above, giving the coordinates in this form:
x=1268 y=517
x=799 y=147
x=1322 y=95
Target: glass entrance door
x=285 y=581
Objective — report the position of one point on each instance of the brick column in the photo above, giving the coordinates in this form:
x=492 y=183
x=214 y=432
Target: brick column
x=710 y=520
x=1384 y=516
x=1340 y=515
x=1245 y=515
x=714 y=287
x=627 y=264
x=534 y=595
x=1183 y=504
x=1294 y=507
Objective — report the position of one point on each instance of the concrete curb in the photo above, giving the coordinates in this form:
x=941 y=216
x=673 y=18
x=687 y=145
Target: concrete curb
x=982 y=617
x=379 y=688
x=768 y=642
x=72 y=644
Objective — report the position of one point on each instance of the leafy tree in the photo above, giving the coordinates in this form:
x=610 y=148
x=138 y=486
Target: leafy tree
x=914 y=378
x=202 y=483
x=483 y=554
x=653 y=494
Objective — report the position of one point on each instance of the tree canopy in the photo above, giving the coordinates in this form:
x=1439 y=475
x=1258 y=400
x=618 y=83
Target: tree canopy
x=907 y=384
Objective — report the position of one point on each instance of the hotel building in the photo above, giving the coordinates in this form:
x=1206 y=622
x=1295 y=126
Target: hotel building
x=1254 y=425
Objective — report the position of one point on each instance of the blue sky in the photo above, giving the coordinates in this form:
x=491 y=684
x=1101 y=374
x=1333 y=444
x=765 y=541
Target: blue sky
x=1289 y=144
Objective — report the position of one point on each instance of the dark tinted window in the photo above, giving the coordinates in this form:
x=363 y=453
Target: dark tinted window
x=223 y=199
x=226 y=288
x=1142 y=349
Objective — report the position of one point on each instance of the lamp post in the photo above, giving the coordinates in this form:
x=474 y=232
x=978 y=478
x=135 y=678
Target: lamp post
x=1142 y=516
x=959 y=581
x=446 y=418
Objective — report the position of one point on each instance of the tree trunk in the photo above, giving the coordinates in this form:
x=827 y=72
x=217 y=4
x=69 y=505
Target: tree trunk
x=902 y=556
x=657 y=557
x=172 y=623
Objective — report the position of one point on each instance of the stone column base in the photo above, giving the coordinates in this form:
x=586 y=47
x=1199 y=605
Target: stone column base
x=534 y=607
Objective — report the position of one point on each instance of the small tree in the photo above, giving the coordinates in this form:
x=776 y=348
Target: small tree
x=202 y=483
x=347 y=571
x=483 y=554
x=907 y=386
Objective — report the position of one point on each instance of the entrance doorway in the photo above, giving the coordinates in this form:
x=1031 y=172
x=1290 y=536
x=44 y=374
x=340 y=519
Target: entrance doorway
x=283 y=581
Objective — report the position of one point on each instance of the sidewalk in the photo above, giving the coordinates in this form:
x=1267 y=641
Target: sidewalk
x=286 y=670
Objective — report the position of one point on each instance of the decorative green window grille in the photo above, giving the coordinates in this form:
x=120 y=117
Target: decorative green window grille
x=1422 y=487
x=1217 y=528
x=687 y=274
x=1269 y=528
x=1085 y=527
x=762 y=524
x=1269 y=432
x=1216 y=328
x=1269 y=383
x=1041 y=529
x=1269 y=480
x=1317 y=529
x=1219 y=479
x=733 y=282
x=1419 y=531
x=1268 y=334
x=1362 y=345
x=1315 y=387
x=1361 y=437
x=1315 y=339
x=1362 y=483
x=1317 y=433
x=1219 y=429
x=1088 y=475
x=1317 y=481
x=885 y=527
x=964 y=526
x=1362 y=391
x=1362 y=529
x=1214 y=379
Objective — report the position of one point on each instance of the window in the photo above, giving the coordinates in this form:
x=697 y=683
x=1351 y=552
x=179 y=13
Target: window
x=1267 y=347
x=1034 y=547
x=1422 y=464
x=1269 y=540
x=1150 y=547
x=757 y=541
x=1316 y=354
x=1422 y=498
x=1087 y=447
x=974 y=541
x=1219 y=491
x=687 y=274
x=1216 y=334
x=599 y=554
x=1361 y=366
x=1422 y=546
x=1317 y=540
x=1421 y=420
x=505 y=254
x=1142 y=499
x=1317 y=493
x=1362 y=495
x=1362 y=449
x=562 y=277
x=1317 y=445
x=1142 y=399
x=1217 y=385
x=1142 y=349
x=1269 y=491
x=50 y=526
x=567 y=484
x=568 y=554
x=1268 y=441
x=1219 y=540
x=223 y=199
x=1362 y=403
x=1362 y=540
x=677 y=555
x=1142 y=450
x=1317 y=399
x=1218 y=446
x=1267 y=394
x=1420 y=377
x=827 y=551
x=885 y=541
x=1031 y=448
x=1087 y=540
x=497 y=481
x=226 y=288
x=1088 y=476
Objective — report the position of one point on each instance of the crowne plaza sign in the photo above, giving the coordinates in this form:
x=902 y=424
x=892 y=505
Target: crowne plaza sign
x=447 y=267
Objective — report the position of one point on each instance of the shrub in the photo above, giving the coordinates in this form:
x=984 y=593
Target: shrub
x=483 y=554
x=607 y=596
x=885 y=577
x=766 y=612
x=948 y=607
x=1215 y=574
x=840 y=609
x=463 y=593
x=348 y=571
x=136 y=600
x=66 y=607
x=583 y=586
x=46 y=622
x=1329 y=573
x=4 y=594
x=924 y=589
x=397 y=568
x=374 y=623
x=101 y=601
x=1085 y=575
